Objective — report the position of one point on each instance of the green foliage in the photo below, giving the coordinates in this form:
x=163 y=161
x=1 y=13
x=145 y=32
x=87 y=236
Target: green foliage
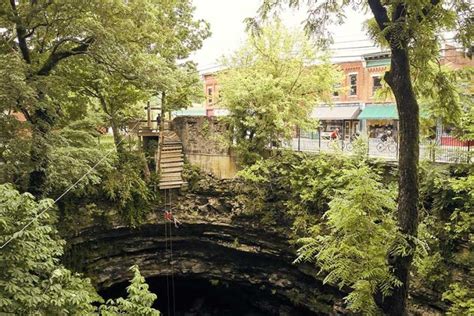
x=266 y=188
x=305 y=192
x=461 y=298
x=192 y=175
x=360 y=148
x=61 y=60
x=313 y=184
x=126 y=187
x=462 y=219
x=300 y=185
x=14 y=147
x=271 y=85
x=138 y=301
x=431 y=268
x=446 y=225
x=74 y=152
x=351 y=245
x=32 y=280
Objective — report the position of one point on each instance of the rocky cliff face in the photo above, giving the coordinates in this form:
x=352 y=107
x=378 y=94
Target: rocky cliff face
x=215 y=242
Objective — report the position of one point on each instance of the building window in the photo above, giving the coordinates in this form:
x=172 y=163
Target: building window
x=337 y=88
x=209 y=95
x=376 y=83
x=353 y=84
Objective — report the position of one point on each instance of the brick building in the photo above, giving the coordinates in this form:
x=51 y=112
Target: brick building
x=355 y=105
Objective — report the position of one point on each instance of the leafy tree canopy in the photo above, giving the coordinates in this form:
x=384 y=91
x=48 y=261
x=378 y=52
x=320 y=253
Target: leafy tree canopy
x=32 y=280
x=138 y=301
x=119 y=52
x=271 y=84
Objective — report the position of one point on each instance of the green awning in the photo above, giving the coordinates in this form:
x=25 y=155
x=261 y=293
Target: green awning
x=379 y=112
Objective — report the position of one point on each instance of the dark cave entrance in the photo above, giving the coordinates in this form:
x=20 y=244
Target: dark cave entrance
x=202 y=297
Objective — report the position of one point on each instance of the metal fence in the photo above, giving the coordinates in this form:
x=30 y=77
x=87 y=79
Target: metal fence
x=454 y=151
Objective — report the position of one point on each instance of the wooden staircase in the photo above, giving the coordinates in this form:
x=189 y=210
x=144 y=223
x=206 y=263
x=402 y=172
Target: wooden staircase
x=170 y=161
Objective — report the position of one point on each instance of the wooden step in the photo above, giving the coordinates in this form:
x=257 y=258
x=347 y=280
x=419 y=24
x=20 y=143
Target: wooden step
x=171 y=180
x=172 y=186
x=171 y=157
x=176 y=182
x=171 y=160
x=165 y=148
x=171 y=170
x=179 y=181
x=169 y=175
x=169 y=151
x=172 y=152
x=172 y=143
x=171 y=165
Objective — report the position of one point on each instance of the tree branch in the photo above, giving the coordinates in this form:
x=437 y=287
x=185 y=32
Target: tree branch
x=398 y=13
x=21 y=34
x=380 y=15
x=56 y=57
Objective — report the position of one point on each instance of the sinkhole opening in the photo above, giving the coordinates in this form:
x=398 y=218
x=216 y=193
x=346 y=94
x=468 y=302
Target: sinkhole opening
x=204 y=297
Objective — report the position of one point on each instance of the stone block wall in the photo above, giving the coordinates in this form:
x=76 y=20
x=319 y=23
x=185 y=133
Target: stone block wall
x=202 y=135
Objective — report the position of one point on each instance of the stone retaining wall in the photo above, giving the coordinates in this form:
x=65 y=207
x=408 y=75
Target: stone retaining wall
x=202 y=135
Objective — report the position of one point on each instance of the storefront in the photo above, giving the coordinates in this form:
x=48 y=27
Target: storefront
x=343 y=117
x=377 y=119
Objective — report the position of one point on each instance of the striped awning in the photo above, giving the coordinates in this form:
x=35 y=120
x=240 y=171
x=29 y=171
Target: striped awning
x=336 y=113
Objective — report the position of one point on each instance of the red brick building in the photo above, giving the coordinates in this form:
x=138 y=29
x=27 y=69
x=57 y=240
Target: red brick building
x=355 y=105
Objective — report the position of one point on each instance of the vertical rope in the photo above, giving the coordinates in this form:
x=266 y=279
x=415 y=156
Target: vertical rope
x=171 y=261
x=166 y=258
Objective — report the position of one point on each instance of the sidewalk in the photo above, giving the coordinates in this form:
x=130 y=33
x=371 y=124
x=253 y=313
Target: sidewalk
x=428 y=151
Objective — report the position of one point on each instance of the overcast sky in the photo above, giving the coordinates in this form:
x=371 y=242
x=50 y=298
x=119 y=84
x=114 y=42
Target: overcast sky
x=228 y=30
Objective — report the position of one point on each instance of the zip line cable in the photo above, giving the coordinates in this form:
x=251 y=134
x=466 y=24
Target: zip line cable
x=14 y=235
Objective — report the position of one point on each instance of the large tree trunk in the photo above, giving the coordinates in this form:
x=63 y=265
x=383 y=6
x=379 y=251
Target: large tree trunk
x=400 y=81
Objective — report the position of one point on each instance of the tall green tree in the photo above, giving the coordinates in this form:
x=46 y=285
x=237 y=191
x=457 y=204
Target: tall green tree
x=411 y=31
x=39 y=37
x=351 y=244
x=270 y=85
x=138 y=301
x=32 y=280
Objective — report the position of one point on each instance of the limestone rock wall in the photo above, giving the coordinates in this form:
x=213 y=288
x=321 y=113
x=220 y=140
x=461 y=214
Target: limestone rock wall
x=216 y=241
x=202 y=135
